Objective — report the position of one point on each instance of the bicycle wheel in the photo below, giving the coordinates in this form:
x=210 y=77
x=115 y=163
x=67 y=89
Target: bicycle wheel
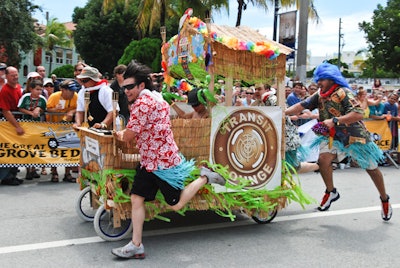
x=103 y=225
x=83 y=205
x=263 y=220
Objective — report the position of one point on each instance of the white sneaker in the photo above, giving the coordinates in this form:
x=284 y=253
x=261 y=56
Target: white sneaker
x=328 y=199
x=129 y=251
x=212 y=177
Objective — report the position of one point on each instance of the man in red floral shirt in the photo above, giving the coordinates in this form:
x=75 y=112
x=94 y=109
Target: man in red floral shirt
x=161 y=166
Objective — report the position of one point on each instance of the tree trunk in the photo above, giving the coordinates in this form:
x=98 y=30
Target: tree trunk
x=240 y=10
x=51 y=62
x=163 y=12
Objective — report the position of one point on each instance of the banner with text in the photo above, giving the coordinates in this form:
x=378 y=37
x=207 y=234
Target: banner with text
x=43 y=144
x=380 y=133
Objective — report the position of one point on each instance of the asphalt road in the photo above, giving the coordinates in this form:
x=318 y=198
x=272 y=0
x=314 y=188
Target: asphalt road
x=40 y=228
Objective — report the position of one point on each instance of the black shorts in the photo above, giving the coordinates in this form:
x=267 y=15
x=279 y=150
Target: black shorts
x=146 y=184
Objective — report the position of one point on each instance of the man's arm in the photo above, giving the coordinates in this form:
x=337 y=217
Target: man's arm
x=295 y=109
x=10 y=118
x=348 y=118
x=125 y=135
x=78 y=119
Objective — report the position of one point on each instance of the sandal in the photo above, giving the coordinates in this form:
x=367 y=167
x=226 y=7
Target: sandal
x=69 y=178
x=54 y=178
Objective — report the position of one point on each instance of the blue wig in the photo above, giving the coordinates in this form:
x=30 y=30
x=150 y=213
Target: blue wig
x=330 y=71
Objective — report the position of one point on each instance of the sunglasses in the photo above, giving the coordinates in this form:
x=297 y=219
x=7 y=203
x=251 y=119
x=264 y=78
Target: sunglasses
x=78 y=70
x=85 y=80
x=249 y=93
x=130 y=86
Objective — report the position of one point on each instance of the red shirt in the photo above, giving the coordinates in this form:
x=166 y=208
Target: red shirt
x=9 y=97
x=154 y=138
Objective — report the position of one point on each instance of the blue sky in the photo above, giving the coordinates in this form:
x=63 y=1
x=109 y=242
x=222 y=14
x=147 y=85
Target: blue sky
x=322 y=37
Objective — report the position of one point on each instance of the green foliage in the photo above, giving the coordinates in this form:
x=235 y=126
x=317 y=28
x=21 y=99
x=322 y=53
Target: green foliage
x=66 y=71
x=383 y=35
x=146 y=51
x=18 y=33
x=56 y=34
x=196 y=69
x=101 y=38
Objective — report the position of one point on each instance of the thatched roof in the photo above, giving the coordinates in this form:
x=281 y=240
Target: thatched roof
x=238 y=52
x=246 y=34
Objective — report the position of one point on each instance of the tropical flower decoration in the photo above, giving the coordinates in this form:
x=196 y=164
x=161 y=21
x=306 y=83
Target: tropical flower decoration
x=263 y=48
x=320 y=129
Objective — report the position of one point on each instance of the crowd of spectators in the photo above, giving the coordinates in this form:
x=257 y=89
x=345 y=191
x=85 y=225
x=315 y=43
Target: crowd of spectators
x=66 y=101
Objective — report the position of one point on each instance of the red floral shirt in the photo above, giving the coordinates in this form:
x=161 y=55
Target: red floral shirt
x=150 y=121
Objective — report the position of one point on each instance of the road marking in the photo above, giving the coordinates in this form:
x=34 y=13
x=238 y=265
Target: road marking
x=53 y=244
x=96 y=239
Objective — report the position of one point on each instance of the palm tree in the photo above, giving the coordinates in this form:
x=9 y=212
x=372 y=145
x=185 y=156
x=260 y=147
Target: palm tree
x=153 y=13
x=56 y=34
x=242 y=5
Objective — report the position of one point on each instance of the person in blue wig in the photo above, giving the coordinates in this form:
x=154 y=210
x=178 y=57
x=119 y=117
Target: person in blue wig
x=341 y=133
x=161 y=167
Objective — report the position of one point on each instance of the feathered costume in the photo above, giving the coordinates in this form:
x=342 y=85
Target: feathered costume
x=352 y=139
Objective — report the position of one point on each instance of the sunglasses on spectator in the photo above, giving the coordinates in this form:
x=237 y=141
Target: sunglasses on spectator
x=85 y=80
x=250 y=93
x=130 y=86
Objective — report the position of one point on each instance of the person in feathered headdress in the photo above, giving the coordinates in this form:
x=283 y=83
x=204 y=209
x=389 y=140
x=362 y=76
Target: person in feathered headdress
x=344 y=134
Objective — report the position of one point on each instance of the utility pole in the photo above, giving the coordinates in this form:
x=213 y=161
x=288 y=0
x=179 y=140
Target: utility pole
x=301 y=64
x=340 y=45
x=275 y=18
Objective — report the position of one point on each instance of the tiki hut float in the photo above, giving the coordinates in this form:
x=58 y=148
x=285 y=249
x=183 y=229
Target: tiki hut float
x=234 y=53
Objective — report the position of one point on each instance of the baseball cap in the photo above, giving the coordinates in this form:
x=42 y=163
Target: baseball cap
x=71 y=85
x=3 y=66
x=91 y=73
x=33 y=74
x=48 y=81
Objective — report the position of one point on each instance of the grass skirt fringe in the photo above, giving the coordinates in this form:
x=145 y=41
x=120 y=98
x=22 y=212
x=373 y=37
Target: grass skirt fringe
x=363 y=154
x=109 y=185
x=177 y=175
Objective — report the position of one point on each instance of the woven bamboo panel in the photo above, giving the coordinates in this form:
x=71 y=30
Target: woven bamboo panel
x=127 y=155
x=106 y=146
x=193 y=137
x=246 y=65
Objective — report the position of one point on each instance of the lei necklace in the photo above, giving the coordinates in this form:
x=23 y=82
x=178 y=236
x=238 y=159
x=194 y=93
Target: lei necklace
x=329 y=92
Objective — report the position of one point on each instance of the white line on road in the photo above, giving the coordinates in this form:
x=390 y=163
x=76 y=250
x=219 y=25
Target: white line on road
x=96 y=239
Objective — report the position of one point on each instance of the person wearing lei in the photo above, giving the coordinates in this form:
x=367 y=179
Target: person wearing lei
x=341 y=133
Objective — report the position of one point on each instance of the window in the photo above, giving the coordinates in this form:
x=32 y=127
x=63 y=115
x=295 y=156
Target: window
x=48 y=57
x=68 y=57
x=59 y=55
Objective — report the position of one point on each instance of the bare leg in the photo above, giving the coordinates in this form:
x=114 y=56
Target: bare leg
x=325 y=168
x=377 y=178
x=138 y=215
x=189 y=191
x=307 y=167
